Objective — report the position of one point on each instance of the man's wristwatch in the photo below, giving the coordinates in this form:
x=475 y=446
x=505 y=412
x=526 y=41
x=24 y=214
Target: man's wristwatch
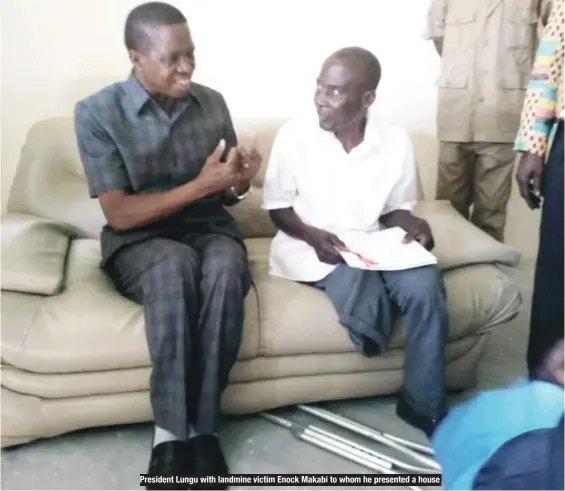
x=240 y=197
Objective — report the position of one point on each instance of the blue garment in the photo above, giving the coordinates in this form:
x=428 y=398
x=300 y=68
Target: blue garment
x=533 y=460
x=475 y=433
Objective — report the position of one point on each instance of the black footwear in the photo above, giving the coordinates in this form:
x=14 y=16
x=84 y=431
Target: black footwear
x=168 y=459
x=207 y=459
x=426 y=424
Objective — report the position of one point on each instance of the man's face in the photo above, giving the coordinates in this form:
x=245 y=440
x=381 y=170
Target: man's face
x=556 y=362
x=165 y=62
x=553 y=364
x=340 y=96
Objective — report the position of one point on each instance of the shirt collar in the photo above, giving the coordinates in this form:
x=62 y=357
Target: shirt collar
x=138 y=96
x=373 y=133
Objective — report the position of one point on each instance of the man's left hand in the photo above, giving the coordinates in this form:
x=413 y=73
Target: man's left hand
x=250 y=162
x=417 y=229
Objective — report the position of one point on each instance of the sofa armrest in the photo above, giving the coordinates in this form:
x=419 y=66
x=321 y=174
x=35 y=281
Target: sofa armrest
x=460 y=243
x=34 y=254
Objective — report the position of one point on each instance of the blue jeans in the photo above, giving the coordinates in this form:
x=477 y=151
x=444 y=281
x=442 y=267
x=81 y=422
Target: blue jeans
x=367 y=303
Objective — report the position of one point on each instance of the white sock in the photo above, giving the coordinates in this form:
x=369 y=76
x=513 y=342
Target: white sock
x=162 y=435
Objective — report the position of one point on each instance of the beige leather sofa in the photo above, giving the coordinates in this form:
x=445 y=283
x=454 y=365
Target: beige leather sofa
x=74 y=353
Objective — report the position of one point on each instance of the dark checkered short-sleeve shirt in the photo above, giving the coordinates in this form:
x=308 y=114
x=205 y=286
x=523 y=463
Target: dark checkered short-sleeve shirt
x=126 y=141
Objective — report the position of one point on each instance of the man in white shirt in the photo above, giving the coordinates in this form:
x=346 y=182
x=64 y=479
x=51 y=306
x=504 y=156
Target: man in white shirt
x=344 y=171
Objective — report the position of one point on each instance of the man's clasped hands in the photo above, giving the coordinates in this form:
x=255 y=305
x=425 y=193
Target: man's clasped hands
x=236 y=170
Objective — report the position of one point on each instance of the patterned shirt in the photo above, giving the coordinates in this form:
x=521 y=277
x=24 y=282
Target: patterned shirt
x=127 y=141
x=544 y=99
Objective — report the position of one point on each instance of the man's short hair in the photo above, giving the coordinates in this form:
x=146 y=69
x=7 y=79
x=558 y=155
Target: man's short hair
x=150 y=14
x=365 y=60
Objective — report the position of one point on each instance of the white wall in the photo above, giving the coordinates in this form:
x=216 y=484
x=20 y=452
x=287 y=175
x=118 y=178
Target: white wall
x=263 y=55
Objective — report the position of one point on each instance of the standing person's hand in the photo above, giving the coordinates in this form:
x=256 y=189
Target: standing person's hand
x=528 y=177
x=217 y=175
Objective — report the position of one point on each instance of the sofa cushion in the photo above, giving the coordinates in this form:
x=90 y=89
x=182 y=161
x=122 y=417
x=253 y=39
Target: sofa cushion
x=34 y=253
x=70 y=385
x=458 y=242
x=297 y=319
x=89 y=326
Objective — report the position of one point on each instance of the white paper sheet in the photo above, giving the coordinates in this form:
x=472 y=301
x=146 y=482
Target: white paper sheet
x=384 y=251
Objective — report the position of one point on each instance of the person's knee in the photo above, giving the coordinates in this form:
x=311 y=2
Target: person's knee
x=347 y=278
x=226 y=262
x=175 y=265
x=424 y=287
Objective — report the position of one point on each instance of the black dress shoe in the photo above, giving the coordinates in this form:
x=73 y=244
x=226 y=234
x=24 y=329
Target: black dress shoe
x=207 y=459
x=426 y=424
x=168 y=459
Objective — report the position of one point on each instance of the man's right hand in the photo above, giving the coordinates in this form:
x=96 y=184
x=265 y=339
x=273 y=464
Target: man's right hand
x=326 y=245
x=528 y=177
x=217 y=175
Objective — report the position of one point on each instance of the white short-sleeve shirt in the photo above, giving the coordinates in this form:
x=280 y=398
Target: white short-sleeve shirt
x=333 y=190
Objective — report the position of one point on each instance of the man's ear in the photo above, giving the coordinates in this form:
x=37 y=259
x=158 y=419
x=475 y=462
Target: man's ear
x=368 y=98
x=135 y=58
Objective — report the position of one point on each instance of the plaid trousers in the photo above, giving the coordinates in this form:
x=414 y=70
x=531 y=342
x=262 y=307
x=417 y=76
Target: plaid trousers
x=192 y=291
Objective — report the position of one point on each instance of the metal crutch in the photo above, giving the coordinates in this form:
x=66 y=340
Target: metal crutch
x=375 y=435
x=382 y=459
x=394 y=462
x=331 y=445
x=407 y=443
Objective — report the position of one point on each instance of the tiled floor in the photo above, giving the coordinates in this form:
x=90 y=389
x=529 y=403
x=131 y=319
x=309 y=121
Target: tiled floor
x=113 y=458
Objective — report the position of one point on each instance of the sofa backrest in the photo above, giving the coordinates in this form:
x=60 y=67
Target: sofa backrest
x=50 y=180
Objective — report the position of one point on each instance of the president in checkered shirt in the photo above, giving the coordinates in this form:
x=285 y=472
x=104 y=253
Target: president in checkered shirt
x=161 y=155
